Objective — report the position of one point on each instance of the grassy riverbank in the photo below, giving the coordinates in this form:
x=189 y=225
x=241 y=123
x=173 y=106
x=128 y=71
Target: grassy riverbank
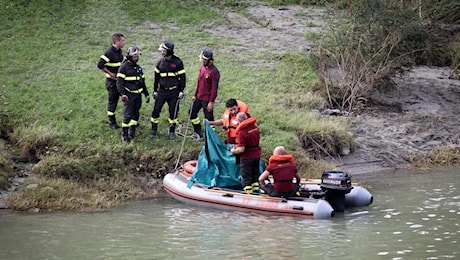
x=53 y=112
x=54 y=100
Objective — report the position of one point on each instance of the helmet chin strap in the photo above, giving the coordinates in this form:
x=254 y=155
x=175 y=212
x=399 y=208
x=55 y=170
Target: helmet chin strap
x=130 y=58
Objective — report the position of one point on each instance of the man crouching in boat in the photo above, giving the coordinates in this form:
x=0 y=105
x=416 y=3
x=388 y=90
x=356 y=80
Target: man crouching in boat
x=283 y=169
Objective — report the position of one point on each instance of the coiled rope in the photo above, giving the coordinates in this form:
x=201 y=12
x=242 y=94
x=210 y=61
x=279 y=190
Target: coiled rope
x=185 y=134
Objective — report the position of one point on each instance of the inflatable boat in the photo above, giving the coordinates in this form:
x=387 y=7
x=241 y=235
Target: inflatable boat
x=214 y=180
x=176 y=184
x=318 y=198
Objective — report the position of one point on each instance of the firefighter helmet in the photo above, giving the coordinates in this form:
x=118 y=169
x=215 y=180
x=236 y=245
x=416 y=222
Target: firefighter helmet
x=206 y=54
x=168 y=46
x=133 y=51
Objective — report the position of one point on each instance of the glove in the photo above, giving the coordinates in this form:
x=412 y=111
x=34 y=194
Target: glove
x=124 y=98
x=147 y=99
x=155 y=95
x=181 y=95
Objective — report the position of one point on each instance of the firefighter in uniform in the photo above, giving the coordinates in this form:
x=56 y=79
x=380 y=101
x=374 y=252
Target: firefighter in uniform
x=168 y=87
x=109 y=63
x=205 y=91
x=131 y=84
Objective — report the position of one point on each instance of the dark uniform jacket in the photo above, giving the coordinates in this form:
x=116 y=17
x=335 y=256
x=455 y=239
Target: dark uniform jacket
x=169 y=75
x=111 y=59
x=130 y=79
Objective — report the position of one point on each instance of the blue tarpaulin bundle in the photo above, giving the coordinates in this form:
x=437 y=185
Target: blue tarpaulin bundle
x=216 y=165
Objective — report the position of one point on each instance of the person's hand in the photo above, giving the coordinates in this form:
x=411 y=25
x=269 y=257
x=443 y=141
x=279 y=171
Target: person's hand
x=210 y=106
x=147 y=99
x=193 y=99
x=124 y=98
x=181 y=95
x=155 y=95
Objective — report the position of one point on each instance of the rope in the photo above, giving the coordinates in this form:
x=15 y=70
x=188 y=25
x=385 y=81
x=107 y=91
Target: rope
x=185 y=134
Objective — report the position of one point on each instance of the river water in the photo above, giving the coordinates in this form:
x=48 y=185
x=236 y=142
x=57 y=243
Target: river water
x=415 y=215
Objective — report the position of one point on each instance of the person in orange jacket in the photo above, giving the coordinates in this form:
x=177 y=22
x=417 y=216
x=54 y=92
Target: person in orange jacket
x=229 y=120
x=283 y=170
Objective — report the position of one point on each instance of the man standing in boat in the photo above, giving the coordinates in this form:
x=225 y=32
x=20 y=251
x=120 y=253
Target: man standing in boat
x=283 y=169
x=229 y=120
x=247 y=146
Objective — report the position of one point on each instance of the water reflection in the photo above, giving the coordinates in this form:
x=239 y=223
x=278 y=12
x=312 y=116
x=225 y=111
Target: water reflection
x=414 y=216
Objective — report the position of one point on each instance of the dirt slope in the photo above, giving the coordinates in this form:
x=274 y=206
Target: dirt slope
x=418 y=116
x=422 y=113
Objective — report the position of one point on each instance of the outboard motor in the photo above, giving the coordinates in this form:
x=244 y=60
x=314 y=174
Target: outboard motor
x=335 y=185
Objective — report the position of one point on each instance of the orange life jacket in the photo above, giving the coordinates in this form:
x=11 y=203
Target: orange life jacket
x=230 y=122
x=281 y=158
x=249 y=121
x=282 y=172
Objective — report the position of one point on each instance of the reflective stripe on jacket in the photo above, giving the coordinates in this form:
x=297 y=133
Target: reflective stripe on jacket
x=111 y=59
x=130 y=78
x=169 y=74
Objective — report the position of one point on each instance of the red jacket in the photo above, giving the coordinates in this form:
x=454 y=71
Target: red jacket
x=283 y=170
x=208 y=83
x=248 y=135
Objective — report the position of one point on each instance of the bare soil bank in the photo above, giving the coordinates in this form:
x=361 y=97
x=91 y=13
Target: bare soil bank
x=420 y=114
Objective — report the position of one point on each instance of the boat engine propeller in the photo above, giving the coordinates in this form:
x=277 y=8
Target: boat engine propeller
x=335 y=185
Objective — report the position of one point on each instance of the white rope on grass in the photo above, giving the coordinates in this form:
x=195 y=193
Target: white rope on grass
x=185 y=134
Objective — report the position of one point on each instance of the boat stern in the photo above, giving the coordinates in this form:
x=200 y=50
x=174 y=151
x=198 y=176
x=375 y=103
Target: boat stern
x=323 y=210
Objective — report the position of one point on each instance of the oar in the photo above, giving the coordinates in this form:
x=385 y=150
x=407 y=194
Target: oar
x=262 y=196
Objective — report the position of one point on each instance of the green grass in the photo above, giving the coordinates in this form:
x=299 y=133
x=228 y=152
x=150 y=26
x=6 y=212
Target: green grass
x=53 y=99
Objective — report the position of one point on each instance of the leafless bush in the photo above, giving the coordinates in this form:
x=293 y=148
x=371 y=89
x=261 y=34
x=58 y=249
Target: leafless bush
x=357 y=55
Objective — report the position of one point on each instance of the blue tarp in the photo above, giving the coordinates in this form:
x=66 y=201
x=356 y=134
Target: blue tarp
x=216 y=165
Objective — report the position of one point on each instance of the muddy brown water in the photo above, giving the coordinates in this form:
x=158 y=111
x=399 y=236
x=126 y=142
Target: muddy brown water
x=415 y=215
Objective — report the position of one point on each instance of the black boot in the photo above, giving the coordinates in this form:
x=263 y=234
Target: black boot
x=124 y=135
x=132 y=131
x=172 y=131
x=113 y=122
x=197 y=130
x=154 y=130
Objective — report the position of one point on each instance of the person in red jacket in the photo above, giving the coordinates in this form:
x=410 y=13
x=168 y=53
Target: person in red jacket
x=283 y=170
x=247 y=146
x=205 y=91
